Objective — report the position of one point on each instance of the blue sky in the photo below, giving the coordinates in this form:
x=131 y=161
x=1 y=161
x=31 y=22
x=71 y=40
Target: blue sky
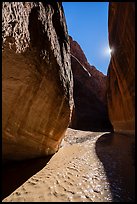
x=87 y=23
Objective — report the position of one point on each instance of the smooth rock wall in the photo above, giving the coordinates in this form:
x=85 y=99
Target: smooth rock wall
x=121 y=72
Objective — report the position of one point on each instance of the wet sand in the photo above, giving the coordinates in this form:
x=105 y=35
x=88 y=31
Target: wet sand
x=89 y=167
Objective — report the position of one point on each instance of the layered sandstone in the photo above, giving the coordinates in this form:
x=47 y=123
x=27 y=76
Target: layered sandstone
x=36 y=79
x=89 y=92
x=121 y=72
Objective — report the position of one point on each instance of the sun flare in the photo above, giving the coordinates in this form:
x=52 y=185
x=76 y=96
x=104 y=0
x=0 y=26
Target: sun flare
x=108 y=51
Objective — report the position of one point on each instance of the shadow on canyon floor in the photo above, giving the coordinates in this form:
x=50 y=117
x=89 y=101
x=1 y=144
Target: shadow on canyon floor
x=14 y=174
x=116 y=152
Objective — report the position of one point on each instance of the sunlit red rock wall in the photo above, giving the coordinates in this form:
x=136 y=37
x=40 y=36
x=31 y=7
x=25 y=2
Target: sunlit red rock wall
x=121 y=72
x=36 y=79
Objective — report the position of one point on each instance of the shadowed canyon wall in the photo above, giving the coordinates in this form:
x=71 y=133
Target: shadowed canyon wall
x=89 y=92
x=36 y=79
x=121 y=71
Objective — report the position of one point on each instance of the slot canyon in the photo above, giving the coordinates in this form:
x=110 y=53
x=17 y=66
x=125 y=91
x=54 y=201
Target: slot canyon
x=68 y=130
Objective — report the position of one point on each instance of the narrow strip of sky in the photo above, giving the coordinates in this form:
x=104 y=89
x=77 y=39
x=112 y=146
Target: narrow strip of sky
x=87 y=23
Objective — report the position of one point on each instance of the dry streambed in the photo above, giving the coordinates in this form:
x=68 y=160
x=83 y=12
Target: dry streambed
x=76 y=173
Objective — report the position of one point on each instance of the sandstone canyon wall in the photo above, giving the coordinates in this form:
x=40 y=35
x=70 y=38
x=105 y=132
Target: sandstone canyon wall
x=89 y=92
x=121 y=72
x=36 y=79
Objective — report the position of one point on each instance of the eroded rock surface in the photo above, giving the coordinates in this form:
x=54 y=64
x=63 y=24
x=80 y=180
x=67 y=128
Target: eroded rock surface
x=90 y=111
x=36 y=79
x=121 y=72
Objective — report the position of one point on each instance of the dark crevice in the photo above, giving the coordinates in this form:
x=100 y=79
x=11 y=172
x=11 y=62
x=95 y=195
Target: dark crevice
x=40 y=43
x=57 y=24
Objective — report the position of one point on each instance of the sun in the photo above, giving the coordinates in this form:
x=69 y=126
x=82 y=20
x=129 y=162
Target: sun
x=108 y=51
x=111 y=50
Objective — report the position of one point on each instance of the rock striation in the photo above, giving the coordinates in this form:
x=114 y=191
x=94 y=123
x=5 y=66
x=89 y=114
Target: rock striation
x=89 y=92
x=121 y=71
x=36 y=79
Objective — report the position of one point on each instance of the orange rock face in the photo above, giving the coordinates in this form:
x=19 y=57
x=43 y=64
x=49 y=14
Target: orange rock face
x=36 y=79
x=121 y=72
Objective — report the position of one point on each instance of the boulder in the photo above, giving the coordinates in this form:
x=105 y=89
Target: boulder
x=36 y=79
x=121 y=71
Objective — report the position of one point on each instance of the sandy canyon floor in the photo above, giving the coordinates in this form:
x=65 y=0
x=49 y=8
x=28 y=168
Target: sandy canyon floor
x=89 y=167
